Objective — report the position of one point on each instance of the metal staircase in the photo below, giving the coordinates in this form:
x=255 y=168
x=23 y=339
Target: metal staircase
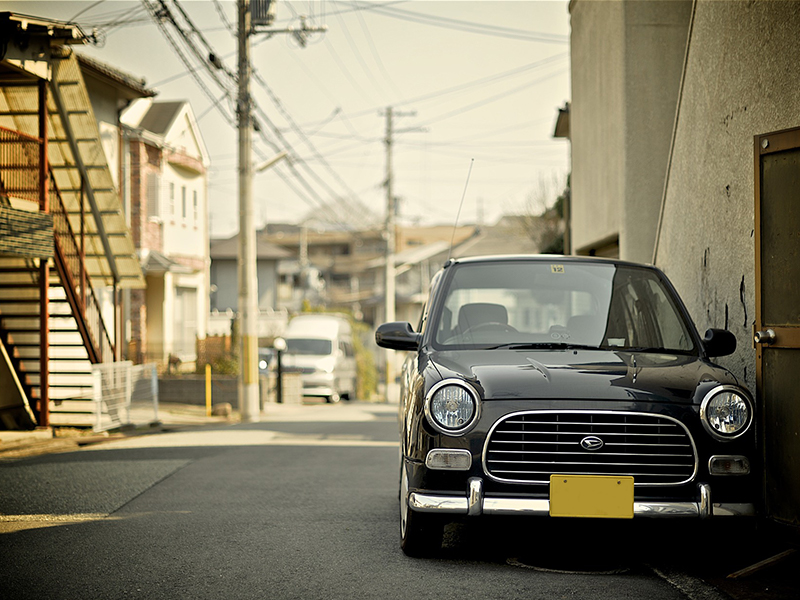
x=69 y=366
x=62 y=232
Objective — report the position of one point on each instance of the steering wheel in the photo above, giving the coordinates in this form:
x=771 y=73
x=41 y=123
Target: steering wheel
x=490 y=325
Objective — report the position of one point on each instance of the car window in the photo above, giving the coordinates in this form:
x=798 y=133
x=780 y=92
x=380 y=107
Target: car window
x=598 y=305
x=316 y=347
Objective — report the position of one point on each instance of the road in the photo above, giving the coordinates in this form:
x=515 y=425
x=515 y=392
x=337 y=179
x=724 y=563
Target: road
x=303 y=505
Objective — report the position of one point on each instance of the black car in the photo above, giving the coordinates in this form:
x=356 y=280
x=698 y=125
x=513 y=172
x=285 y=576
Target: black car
x=565 y=387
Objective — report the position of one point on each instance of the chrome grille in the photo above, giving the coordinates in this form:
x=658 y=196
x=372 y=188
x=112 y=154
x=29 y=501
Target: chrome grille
x=528 y=447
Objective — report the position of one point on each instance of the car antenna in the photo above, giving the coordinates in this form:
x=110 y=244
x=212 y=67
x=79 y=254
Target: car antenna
x=458 y=214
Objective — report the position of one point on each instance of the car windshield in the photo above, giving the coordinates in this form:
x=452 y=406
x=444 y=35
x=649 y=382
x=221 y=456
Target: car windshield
x=317 y=347
x=530 y=305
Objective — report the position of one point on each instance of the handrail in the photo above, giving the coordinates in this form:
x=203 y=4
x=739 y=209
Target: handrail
x=19 y=177
x=19 y=164
x=80 y=293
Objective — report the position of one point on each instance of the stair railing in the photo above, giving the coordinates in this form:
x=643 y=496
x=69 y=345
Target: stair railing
x=71 y=265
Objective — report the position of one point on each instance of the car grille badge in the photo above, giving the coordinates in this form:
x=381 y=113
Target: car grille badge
x=592 y=443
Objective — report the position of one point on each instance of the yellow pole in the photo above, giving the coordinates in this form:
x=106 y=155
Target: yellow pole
x=208 y=390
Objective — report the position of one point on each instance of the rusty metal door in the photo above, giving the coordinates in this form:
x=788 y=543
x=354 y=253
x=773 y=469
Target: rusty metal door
x=777 y=325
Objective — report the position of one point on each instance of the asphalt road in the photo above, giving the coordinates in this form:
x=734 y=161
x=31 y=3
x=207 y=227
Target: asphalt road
x=303 y=505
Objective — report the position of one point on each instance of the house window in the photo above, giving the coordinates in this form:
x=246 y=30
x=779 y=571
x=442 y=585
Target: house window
x=194 y=205
x=171 y=199
x=153 y=189
x=183 y=201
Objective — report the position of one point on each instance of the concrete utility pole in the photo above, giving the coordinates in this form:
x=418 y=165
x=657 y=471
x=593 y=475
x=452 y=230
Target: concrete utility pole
x=390 y=235
x=391 y=210
x=249 y=405
x=264 y=10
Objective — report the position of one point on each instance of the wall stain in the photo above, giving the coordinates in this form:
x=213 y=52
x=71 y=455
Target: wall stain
x=744 y=304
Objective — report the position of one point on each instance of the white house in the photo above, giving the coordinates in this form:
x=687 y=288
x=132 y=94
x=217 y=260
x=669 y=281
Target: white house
x=167 y=166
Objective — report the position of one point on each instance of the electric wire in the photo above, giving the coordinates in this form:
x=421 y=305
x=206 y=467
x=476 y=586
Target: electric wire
x=468 y=26
x=168 y=15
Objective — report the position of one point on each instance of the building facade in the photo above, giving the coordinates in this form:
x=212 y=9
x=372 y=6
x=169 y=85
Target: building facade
x=165 y=163
x=685 y=134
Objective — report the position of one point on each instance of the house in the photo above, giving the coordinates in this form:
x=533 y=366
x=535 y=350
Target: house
x=225 y=285
x=66 y=251
x=165 y=167
x=347 y=262
x=685 y=144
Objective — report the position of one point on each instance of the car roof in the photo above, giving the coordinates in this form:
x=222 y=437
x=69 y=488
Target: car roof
x=544 y=258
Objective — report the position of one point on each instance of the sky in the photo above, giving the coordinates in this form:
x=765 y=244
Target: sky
x=475 y=87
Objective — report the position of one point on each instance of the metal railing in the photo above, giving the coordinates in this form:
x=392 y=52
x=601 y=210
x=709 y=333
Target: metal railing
x=19 y=165
x=71 y=265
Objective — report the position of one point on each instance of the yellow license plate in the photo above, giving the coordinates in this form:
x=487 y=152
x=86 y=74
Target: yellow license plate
x=591 y=496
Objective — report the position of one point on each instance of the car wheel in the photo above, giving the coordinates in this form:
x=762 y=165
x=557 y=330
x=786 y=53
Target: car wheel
x=420 y=533
x=332 y=399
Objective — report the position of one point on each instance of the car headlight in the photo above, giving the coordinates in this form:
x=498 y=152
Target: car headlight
x=452 y=406
x=726 y=412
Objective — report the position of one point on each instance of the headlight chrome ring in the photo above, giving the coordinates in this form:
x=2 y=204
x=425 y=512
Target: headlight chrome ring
x=726 y=412
x=452 y=406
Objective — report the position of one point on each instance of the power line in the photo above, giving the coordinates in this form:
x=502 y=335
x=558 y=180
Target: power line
x=165 y=14
x=474 y=83
x=468 y=26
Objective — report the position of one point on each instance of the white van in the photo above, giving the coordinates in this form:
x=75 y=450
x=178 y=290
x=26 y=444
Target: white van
x=320 y=347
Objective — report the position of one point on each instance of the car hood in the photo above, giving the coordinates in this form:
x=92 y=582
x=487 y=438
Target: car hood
x=581 y=374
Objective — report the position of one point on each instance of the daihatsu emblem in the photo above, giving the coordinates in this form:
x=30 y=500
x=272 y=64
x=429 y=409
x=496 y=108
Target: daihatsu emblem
x=591 y=443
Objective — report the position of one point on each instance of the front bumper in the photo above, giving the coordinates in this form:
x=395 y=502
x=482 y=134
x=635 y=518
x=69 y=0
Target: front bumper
x=474 y=503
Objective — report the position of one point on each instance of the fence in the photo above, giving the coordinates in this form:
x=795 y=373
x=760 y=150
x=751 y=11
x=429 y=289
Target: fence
x=124 y=395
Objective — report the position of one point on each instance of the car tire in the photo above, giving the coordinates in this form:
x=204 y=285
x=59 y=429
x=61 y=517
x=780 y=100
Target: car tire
x=333 y=398
x=420 y=534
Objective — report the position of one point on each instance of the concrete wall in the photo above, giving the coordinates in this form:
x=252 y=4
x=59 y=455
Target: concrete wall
x=224 y=275
x=597 y=120
x=627 y=59
x=191 y=389
x=741 y=80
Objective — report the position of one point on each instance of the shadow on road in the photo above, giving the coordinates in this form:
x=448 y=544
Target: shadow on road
x=708 y=552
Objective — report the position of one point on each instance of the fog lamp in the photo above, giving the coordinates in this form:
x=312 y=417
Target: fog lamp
x=728 y=465
x=449 y=460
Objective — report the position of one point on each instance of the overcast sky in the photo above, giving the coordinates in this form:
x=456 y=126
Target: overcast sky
x=474 y=79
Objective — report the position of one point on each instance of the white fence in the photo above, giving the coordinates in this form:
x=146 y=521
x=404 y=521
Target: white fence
x=124 y=395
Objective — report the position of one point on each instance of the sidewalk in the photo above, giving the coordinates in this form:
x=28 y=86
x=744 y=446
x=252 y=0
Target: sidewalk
x=22 y=444
x=172 y=416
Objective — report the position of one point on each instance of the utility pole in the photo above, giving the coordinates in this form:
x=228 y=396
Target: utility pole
x=390 y=235
x=249 y=405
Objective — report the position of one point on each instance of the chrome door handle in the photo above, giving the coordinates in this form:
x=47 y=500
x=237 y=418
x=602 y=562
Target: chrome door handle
x=764 y=337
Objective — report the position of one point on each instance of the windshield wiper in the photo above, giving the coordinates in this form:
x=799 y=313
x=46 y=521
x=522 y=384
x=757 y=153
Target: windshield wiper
x=544 y=346
x=646 y=349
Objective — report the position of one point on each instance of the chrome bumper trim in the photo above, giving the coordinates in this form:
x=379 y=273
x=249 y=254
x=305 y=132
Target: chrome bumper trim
x=475 y=503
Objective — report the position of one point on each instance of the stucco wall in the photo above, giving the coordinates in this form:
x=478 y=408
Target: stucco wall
x=627 y=59
x=741 y=80
x=596 y=119
x=656 y=35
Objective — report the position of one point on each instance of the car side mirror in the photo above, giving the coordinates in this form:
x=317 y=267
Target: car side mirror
x=719 y=342
x=397 y=336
